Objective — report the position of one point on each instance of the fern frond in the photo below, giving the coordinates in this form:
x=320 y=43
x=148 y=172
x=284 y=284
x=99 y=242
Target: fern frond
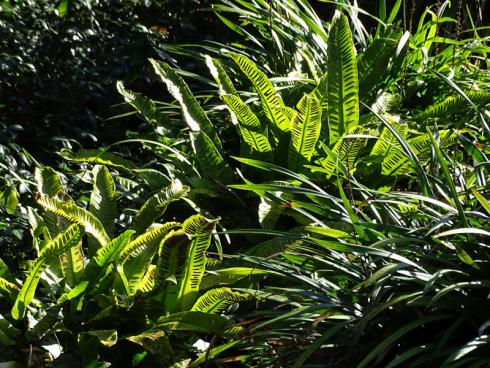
x=343 y=100
x=209 y=158
x=142 y=104
x=454 y=105
x=252 y=132
x=183 y=255
x=194 y=115
x=215 y=301
x=154 y=207
x=59 y=244
x=271 y=101
x=103 y=198
x=374 y=63
x=98 y=156
x=110 y=252
x=220 y=76
x=75 y=214
x=136 y=246
x=305 y=131
x=345 y=151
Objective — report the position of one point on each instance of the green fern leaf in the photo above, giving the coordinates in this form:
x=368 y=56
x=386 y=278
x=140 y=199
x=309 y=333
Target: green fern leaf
x=154 y=207
x=103 y=198
x=270 y=99
x=194 y=115
x=8 y=288
x=343 y=100
x=252 y=132
x=229 y=276
x=73 y=264
x=305 y=131
x=321 y=94
x=98 y=156
x=194 y=321
x=172 y=257
x=215 y=301
x=59 y=244
x=345 y=151
x=187 y=252
x=49 y=183
x=148 y=281
x=373 y=64
x=387 y=142
x=136 y=246
x=397 y=163
x=143 y=105
x=110 y=252
x=220 y=76
x=75 y=214
x=454 y=105
x=209 y=158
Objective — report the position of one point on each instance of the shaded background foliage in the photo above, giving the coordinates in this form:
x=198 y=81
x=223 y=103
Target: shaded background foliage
x=60 y=62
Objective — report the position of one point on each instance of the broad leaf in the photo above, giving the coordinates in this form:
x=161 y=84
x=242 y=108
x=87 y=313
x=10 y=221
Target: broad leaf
x=270 y=99
x=209 y=158
x=252 y=132
x=215 y=301
x=75 y=214
x=305 y=131
x=62 y=242
x=154 y=207
x=194 y=115
x=343 y=100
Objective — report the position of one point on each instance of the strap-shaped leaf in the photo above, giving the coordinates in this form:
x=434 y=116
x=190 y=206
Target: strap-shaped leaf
x=49 y=183
x=194 y=321
x=110 y=252
x=8 y=288
x=387 y=142
x=59 y=244
x=73 y=293
x=305 y=131
x=220 y=76
x=4 y=271
x=103 y=198
x=374 y=63
x=215 y=301
x=252 y=132
x=156 y=342
x=454 y=104
x=98 y=156
x=154 y=207
x=62 y=242
x=397 y=163
x=148 y=281
x=72 y=264
x=343 y=100
x=73 y=213
x=136 y=246
x=209 y=158
x=142 y=104
x=187 y=249
x=270 y=99
x=345 y=151
x=321 y=94
x=194 y=115
x=172 y=259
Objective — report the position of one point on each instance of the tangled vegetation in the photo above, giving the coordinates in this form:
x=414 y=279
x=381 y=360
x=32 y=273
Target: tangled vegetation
x=311 y=192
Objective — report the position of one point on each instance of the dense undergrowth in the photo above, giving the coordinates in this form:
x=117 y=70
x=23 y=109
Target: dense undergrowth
x=318 y=198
